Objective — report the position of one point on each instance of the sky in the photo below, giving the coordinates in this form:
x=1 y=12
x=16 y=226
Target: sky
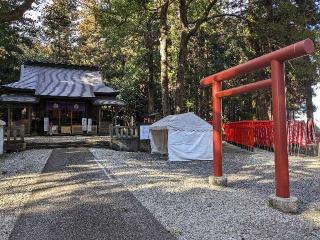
x=36 y=11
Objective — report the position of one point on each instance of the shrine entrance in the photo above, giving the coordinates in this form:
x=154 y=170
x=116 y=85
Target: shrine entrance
x=275 y=60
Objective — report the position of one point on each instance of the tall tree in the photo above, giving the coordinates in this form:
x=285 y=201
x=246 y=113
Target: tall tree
x=277 y=24
x=89 y=46
x=164 y=78
x=130 y=33
x=201 y=13
x=59 y=30
x=11 y=52
x=190 y=39
x=15 y=36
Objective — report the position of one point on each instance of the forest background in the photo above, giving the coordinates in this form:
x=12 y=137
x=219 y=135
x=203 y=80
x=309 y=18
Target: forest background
x=156 y=52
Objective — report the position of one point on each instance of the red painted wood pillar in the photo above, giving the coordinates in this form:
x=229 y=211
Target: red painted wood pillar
x=216 y=124
x=280 y=129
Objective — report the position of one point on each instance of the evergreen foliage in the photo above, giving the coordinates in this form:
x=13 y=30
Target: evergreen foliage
x=156 y=52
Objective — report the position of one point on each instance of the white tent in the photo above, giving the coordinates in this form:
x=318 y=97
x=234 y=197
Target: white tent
x=183 y=137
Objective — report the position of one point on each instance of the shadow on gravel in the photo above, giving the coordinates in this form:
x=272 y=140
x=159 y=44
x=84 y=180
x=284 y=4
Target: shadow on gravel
x=245 y=170
x=180 y=195
x=74 y=199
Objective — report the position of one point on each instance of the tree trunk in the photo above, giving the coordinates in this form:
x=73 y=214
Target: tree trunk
x=182 y=61
x=59 y=48
x=149 y=43
x=309 y=104
x=164 y=59
x=185 y=34
x=151 y=87
x=254 y=108
x=205 y=103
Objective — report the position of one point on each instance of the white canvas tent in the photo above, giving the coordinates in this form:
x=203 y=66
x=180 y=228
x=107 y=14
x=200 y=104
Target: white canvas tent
x=183 y=137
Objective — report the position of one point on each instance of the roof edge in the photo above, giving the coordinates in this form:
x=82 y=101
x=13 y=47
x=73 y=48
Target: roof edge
x=61 y=65
x=26 y=90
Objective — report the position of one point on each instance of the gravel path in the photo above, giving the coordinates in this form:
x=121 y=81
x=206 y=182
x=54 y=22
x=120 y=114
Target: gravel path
x=18 y=175
x=76 y=199
x=181 y=199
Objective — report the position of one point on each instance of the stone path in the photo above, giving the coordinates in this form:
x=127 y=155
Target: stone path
x=76 y=199
x=52 y=142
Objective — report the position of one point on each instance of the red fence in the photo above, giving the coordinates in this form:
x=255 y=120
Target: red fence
x=250 y=134
x=240 y=133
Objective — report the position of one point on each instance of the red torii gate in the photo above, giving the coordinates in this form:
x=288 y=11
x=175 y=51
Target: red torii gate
x=277 y=83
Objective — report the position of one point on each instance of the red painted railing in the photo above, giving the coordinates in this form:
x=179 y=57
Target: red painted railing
x=250 y=134
x=240 y=133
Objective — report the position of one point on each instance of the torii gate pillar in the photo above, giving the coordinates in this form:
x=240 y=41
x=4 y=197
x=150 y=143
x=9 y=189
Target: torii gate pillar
x=217 y=178
x=282 y=199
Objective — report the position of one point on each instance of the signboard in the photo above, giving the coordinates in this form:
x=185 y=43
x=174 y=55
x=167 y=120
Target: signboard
x=84 y=124
x=46 y=124
x=144 y=132
x=89 y=128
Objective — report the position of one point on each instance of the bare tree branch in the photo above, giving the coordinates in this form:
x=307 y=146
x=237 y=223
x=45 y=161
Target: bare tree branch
x=158 y=7
x=228 y=15
x=203 y=18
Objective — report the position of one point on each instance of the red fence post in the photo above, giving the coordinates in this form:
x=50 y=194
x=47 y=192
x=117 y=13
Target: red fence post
x=217 y=141
x=280 y=129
